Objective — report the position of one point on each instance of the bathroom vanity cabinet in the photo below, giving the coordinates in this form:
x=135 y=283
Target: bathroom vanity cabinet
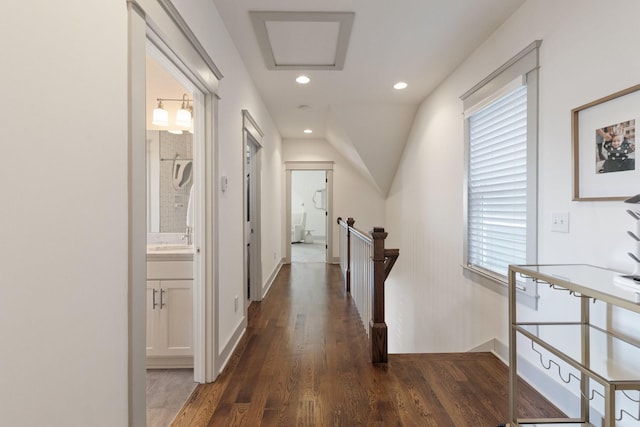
x=169 y=314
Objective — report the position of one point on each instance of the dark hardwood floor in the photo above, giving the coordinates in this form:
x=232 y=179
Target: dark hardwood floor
x=304 y=362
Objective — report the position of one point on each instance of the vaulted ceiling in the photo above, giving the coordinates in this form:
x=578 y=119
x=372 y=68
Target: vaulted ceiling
x=354 y=51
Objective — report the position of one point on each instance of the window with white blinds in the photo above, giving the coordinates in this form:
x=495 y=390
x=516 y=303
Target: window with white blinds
x=501 y=161
x=497 y=184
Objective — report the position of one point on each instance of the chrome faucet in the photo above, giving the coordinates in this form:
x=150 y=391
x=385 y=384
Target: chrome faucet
x=188 y=236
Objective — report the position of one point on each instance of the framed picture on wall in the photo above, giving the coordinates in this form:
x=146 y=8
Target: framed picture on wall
x=603 y=133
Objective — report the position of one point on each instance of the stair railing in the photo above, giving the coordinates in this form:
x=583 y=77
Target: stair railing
x=365 y=264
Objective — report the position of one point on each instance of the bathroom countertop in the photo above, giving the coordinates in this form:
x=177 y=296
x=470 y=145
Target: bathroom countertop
x=169 y=252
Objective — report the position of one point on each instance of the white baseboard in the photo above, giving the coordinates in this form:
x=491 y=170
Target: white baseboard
x=487 y=347
x=272 y=278
x=169 y=362
x=225 y=354
x=232 y=343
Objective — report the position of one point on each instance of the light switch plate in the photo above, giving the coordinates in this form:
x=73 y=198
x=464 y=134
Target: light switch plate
x=560 y=222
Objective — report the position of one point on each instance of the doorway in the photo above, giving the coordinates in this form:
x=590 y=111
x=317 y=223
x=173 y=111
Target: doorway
x=309 y=209
x=252 y=136
x=308 y=216
x=161 y=29
x=173 y=233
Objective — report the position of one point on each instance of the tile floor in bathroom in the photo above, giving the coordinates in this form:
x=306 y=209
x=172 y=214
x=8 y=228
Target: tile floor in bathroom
x=308 y=252
x=167 y=391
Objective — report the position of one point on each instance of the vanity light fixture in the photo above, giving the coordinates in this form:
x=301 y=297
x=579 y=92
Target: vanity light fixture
x=400 y=86
x=183 y=115
x=307 y=131
x=160 y=115
x=303 y=80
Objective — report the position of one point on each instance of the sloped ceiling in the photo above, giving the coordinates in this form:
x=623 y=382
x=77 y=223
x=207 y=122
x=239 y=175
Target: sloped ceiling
x=379 y=148
x=354 y=106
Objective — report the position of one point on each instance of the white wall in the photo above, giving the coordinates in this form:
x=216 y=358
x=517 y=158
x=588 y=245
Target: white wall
x=431 y=306
x=63 y=222
x=353 y=195
x=63 y=260
x=272 y=197
x=237 y=92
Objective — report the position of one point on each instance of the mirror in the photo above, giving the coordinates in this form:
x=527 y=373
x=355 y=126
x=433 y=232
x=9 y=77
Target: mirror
x=169 y=172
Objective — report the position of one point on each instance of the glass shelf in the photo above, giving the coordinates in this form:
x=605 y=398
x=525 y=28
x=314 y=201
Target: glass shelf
x=587 y=280
x=603 y=349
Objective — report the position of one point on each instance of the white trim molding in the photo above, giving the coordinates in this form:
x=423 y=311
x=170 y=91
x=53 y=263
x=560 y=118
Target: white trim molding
x=291 y=165
x=259 y=19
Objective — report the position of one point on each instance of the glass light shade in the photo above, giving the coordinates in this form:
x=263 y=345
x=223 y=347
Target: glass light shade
x=160 y=117
x=183 y=118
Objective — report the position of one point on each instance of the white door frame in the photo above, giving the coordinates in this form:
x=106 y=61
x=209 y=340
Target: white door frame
x=158 y=22
x=252 y=135
x=323 y=166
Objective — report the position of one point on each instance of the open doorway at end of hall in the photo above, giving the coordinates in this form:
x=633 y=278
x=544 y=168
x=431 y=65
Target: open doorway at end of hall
x=309 y=230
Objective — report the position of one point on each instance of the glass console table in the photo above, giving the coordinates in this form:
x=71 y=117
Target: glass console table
x=593 y=359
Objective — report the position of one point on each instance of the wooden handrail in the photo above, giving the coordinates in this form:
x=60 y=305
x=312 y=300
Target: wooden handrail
x=361 y=234
x=390 y=258
x=383 y=261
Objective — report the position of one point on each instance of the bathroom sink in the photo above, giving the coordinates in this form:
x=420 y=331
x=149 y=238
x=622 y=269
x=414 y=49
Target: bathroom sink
x=169 y=248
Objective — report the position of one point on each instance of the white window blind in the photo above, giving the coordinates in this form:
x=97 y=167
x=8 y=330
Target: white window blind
x=497 y=184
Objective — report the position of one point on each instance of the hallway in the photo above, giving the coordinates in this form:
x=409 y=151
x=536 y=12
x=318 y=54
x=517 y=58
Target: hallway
x=304 y=362
x=308 y=252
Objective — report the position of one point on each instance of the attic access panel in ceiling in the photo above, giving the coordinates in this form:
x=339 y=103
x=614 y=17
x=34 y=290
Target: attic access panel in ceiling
x=303 y=40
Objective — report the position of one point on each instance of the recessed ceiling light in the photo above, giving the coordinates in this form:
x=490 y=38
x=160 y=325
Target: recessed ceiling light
x=400 y=85
x=308 y=131
x=303 y=80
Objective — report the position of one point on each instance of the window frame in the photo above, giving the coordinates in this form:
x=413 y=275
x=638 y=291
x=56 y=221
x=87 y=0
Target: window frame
x=523 y=66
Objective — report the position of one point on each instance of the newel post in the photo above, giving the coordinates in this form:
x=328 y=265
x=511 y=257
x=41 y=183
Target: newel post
x=378 y=327
x=350 y=222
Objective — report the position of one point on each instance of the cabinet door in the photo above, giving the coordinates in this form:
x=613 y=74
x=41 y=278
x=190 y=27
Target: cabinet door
x=153 y=317
x=177 y=317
